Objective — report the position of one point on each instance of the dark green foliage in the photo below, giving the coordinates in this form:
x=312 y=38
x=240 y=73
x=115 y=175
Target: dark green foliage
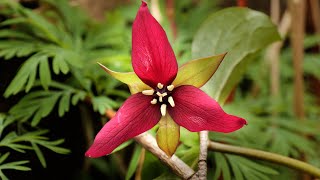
x=59 y=47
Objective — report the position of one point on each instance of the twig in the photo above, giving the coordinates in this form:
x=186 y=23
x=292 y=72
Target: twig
x=273 y=53
x=202 y=164
x=86 y=122
x=267 y=156
x=155 y=10
x=297 y=10
x=170 y=11
x=242 y=3
x=140 y=164
x=315 y=11
x=174 y=163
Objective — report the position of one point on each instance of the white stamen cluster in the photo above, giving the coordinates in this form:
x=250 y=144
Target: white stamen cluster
x=160 y=94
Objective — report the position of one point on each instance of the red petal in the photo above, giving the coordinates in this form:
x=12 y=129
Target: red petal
x=196 y=111
x=153 y=59
x=135 y=116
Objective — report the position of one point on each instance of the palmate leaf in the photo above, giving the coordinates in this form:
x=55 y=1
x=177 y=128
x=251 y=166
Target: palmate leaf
x=63 y=60
x=240 y=168
x=36 y=139
x=39 y=104
x=16 y=165
x=18 y=48
x=73 y=19
x=101 y=103
x=41 y=40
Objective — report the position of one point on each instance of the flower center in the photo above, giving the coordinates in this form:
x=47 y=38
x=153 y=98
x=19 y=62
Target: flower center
x=161 y=95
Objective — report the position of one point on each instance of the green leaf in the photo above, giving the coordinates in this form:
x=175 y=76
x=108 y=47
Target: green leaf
x=59 y=64
x=16 y=165
x=4 y=157
x=198 y=72
x=64 y=104
x=26 y=74
x=39 y=154
x=129 y=78
x=122 y=146
x=133 y=162
x=44 y=72
x=221 y=167
x=77 y=97
x=39 y=104
x=239 y=31
x=188 y=138
x=102 y=103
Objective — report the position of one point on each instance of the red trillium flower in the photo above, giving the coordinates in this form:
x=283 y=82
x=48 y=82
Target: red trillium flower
x=162 y=93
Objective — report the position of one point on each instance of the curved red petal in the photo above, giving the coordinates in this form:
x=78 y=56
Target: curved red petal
x=153 y=59
x=134 y=117
x=196 y=111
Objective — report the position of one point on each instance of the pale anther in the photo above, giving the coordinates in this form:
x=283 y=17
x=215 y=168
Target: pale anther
x=160 y=86
x=160 y=98
x=148 y=92
x=159 y=94
x=164 y=94
x=163 y=109
x=170 y=87
x=171 y=102
x=154 y=101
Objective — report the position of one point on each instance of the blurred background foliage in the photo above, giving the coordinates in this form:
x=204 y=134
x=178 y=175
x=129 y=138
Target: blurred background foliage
x=55 y=97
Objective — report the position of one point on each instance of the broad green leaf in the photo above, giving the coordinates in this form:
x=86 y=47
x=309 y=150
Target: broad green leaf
x=129 y=78
x=198 y=72
x=168 y=135
x=133 y=162
x=239 y=31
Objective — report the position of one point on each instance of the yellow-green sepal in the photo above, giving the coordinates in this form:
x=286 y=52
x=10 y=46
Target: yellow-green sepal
x=129 y=78
x=197 y=72
x=168 y=135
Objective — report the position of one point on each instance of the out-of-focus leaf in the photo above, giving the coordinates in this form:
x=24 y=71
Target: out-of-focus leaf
x=102 y=103
x=122 y=146
x=39 y=155
x=239 y=31
x=134 y=162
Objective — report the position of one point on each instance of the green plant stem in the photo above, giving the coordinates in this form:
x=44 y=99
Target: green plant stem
x=267 y=156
